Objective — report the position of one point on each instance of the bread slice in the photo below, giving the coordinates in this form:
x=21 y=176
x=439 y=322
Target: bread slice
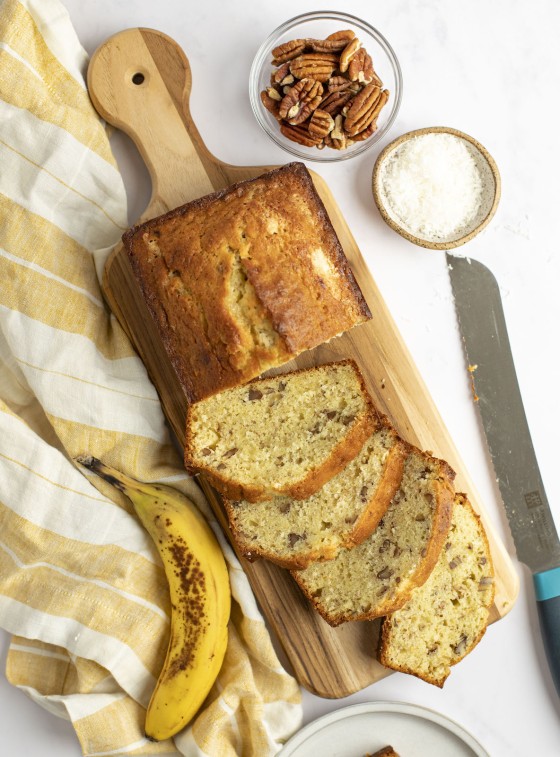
x=377 y=577
x=387 y=751
x=293 y=533
x=284 y=435
x=447 y=616
x=244 y=279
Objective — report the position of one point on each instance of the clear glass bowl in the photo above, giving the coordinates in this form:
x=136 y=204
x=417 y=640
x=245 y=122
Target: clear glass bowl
x=319 y=25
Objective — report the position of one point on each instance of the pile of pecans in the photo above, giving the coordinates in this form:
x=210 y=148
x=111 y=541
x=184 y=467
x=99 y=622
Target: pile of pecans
x=325 y=91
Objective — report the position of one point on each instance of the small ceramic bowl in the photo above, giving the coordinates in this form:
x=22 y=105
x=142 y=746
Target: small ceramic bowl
x=319 y=25
x=490 y=194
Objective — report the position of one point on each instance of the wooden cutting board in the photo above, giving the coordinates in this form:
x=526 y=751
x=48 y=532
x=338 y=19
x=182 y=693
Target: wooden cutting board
x=139 y=81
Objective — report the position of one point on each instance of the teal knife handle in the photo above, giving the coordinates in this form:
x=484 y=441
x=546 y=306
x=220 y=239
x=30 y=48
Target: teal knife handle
x=547 y=590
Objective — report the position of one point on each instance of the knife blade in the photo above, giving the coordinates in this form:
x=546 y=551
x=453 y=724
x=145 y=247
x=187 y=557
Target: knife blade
x=483 y=329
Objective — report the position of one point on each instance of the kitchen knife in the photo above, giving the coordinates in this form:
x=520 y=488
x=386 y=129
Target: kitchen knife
x=483 y=329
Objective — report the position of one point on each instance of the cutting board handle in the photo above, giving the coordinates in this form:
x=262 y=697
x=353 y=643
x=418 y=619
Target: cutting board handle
x=139 y=81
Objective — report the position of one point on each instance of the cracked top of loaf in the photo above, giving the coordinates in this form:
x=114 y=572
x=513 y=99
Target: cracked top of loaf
x=244 y=279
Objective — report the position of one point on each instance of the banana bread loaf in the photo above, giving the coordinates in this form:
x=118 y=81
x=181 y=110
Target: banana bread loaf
x=293 y=533
x=284 y=435
x=244 y=279
x=447 y=616
x=377 y=577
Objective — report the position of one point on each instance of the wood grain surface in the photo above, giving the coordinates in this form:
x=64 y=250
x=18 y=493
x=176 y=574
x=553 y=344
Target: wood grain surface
x=154 y=112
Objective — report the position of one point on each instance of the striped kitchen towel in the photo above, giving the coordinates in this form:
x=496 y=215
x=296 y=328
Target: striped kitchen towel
x=81 y=586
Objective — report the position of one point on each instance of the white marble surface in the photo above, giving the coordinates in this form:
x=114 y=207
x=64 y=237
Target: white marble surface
x=493 y=71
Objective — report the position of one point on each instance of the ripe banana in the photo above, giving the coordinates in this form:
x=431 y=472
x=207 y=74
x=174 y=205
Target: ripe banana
x=200 y=598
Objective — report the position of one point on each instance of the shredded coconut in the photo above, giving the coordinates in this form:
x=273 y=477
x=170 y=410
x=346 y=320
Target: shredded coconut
x=436 y=186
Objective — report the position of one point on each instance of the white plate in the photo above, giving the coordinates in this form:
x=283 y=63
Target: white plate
x=364 y=728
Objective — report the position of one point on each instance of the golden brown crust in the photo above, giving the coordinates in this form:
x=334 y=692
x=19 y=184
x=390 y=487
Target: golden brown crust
x=377 y=506
x=374 y=511
x=442 y=522
x=444 y=495
x=439 y=682
x=345 y=451
x=384 y=637
x=387 y=751
x=299 y=562
x=270 y=241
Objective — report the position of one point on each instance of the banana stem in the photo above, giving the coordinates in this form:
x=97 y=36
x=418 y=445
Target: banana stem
x=102 y=470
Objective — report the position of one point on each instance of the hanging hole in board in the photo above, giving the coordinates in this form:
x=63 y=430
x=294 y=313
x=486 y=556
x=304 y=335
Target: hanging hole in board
x=138 y=78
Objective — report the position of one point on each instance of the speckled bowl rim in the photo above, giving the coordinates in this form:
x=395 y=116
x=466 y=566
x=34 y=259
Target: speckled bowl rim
x=403 y=232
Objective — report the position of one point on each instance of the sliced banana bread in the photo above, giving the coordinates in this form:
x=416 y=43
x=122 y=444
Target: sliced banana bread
x=377 y=577
x=447 y=616
x=344 y=512
x=284 y=435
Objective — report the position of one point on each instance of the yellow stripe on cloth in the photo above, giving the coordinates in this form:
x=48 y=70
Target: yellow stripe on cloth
x=29 y=664
x=82 y=587
x=117 y=569
x=36 y=183
x=49 y=671
x=149 y=459
x=61 y=255
x=120 y=723
x=55 y=594
x=50 y=302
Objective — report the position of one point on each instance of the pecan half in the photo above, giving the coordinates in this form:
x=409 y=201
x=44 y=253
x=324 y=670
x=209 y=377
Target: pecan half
x=321 y=123
x=318 y=66
x=327 y=45
x=301 y=101
x=345 y=35
x=270 y=104
x=380 y=104
x=367 y=132
x=282 y=75
x=300 y=135
x=335 y=102
x=338 y=139
x=361 y=111
x=348 y=53
x=360 y=68
x=341 y=83
x=274 y=94
x=288 y=51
